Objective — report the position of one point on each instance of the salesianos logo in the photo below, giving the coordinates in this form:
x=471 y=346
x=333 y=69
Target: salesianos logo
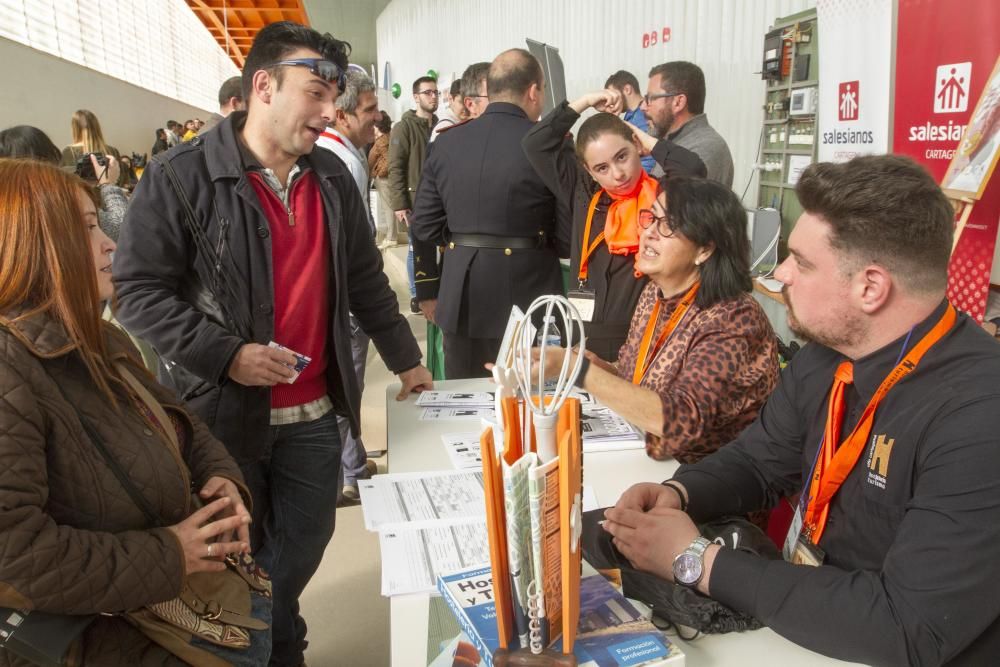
x=848 y=101
x=951 y=87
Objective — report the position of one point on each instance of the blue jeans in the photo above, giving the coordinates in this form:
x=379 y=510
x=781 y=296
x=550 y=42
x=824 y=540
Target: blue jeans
x=353 y=458
x=294 y=488
x=409 y=272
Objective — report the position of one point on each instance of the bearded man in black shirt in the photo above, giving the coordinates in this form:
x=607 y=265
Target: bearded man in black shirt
x=887 y=424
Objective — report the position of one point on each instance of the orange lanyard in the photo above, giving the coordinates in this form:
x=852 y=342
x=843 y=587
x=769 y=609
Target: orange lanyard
x=645 y=357
x=834 y=465
x=588 y=250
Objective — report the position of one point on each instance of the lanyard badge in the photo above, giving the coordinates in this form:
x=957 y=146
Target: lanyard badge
x=583 y=300
x=833 y=464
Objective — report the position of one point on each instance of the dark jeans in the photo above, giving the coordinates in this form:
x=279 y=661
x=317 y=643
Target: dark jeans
x=294 y=488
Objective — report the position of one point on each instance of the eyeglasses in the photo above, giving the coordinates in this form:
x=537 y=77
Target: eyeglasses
x=663 y=225
x=325 y=69
x=432 y=93
x=658 y=96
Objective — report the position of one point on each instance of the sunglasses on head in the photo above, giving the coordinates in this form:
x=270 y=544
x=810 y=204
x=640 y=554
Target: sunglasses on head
x=325 y=69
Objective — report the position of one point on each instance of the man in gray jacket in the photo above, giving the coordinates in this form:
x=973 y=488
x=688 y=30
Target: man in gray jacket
x=407 y=147
x=675 y=107
x=244 y=236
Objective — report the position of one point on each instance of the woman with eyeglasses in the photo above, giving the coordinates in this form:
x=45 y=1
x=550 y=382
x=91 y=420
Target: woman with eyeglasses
x=609 y=153
x=700 y=358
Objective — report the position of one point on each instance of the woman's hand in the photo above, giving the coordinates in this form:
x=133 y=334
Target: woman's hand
x=609 y=100
x=554 y=356
x=109 y=175
x=197 y=535
x=220 y=487
x=646 y=140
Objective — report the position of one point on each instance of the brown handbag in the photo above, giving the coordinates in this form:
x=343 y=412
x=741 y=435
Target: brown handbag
x=213 y=606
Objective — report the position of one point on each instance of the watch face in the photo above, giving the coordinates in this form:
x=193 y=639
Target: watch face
x=687 y=569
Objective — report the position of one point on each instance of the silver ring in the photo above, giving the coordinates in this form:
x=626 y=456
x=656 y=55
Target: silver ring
x=210 y=550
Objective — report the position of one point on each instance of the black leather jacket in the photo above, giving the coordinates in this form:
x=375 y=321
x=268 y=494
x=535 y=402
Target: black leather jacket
x=163 y=299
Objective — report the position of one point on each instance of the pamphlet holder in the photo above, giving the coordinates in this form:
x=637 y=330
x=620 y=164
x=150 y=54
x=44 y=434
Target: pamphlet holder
x=570 y=473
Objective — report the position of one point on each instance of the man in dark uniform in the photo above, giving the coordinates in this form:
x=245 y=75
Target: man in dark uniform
x=480 y=198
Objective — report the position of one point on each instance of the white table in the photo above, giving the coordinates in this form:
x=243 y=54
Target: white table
x=415 y=446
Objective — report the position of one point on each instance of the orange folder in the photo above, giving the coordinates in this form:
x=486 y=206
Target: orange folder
x=496 y=528
x=570 y=492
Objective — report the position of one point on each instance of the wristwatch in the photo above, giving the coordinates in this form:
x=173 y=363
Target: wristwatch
x=689 y=566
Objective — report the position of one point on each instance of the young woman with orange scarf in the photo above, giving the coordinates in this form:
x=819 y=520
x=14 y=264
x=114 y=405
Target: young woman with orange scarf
x=605 y=222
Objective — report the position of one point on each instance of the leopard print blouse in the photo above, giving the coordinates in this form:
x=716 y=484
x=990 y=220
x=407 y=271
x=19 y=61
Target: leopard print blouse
x=713 y=374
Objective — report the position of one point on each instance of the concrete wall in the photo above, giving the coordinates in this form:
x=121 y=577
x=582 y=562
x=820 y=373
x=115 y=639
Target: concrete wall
x=44 y=91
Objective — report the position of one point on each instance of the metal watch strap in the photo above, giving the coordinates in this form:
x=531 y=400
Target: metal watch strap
x=698 y=546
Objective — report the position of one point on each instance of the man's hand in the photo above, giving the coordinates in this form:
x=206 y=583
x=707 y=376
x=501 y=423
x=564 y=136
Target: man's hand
x=646 y=496
x=646 y=140
x=417 y=379
x=651 y=540
x=220 y=487
x=428 y=307
x=403 y=215
x=257 y=365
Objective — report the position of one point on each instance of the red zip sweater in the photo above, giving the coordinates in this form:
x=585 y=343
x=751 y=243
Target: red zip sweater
x=300 y=260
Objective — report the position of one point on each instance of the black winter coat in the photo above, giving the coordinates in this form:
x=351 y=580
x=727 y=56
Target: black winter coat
x=477 y=180
x=163 y=299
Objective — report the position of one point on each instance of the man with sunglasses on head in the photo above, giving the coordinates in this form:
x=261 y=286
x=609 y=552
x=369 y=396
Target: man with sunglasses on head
x=273 y=243
x=675 y=107
x=407 y=146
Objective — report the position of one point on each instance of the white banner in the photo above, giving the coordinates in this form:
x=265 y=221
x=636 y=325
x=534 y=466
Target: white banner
x=855 y=53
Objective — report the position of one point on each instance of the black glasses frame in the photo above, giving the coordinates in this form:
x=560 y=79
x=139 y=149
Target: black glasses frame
x=658 y=96
x=325 y=69
x=647 y=217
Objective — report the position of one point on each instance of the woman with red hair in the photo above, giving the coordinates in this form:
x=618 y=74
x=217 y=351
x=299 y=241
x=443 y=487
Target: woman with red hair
x=102 y=471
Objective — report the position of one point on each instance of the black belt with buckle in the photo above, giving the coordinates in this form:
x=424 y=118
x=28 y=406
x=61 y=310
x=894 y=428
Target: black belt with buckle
x=497 y=242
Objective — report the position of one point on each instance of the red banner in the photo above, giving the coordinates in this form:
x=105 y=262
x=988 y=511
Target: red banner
x=945 y=51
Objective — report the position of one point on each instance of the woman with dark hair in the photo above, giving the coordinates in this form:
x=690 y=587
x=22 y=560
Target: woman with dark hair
x=605 y=224
x=160 y=144
x=25 y=141
x=700 y=358
x=378 y=167
x=81 y=417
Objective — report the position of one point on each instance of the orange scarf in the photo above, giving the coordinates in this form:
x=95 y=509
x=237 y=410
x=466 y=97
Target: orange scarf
x=621 y=229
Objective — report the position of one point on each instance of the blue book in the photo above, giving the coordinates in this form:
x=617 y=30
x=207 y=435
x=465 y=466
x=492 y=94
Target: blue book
x=470 y=596
x=611 y=631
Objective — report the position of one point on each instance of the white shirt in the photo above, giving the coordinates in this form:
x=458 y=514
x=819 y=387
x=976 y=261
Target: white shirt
x=357 y=164
x=447 y=119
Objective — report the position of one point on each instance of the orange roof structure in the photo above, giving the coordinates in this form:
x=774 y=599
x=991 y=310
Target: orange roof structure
x=234 y=23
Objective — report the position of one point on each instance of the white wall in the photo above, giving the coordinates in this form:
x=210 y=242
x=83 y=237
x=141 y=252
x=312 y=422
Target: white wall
x=596 y=38
x=44 y=91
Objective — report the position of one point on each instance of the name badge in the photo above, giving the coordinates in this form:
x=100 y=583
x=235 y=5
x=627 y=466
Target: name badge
x=583 y=301
x=798 y=549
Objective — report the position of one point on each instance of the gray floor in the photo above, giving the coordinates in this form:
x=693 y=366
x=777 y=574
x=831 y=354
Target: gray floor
x=348 y=618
